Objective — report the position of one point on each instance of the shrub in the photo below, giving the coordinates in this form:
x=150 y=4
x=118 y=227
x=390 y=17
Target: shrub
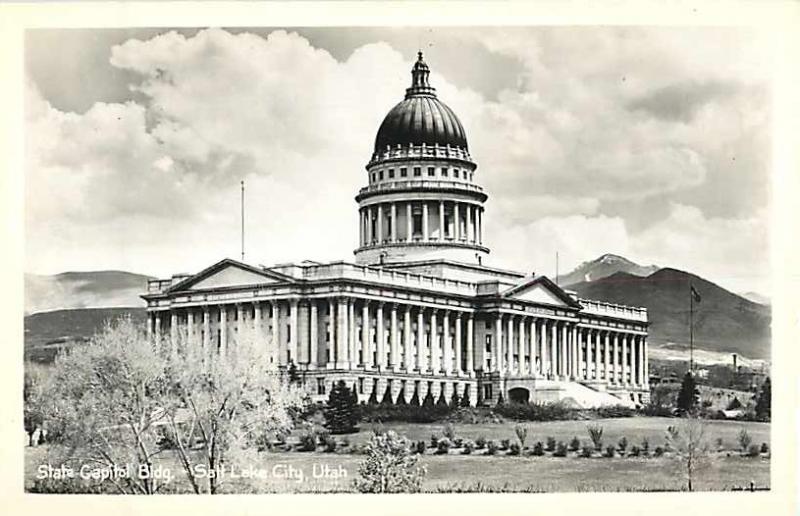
x=574 y=444
x=345 y=442
x=469 y=447
x=753 y=450
x=764 y=448
x=389 y=466
x=330 y=444
x=504 y=444
x=561 y=450
x=420 y=447
x=443 y=446
x=635 y=451
x=434 y=440
x=458 y=442
x=622 y=445
x=514 y=449
x=407 y=413
x=538 y=449
x=610 y=452
x=551 y=444
x=449 y=431
x=480 y=442
x=586 y=451
x=491 y=447
x=659 y=451
x=744 y=440
x=522 y=434
x=596 y=435
x=308 y=442
x=536 y=411
x=645 y=446
x=615 y=411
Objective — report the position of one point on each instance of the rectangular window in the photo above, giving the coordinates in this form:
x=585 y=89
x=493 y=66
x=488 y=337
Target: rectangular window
x=380 y=175
x=403 y=172
x=391 y=173
x=455 y=173
x=361 y=385
x=417 y=171
x=488 y=343
x=431 y=171
x=444 y=171
x=320 y=386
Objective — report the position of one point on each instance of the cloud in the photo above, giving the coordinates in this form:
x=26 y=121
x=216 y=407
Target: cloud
x=680 y=102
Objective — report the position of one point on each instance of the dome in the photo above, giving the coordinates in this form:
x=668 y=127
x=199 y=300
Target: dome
x=420 y=117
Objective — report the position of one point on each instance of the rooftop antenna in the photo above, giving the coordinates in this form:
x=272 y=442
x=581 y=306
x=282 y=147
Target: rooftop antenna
x=242 y=221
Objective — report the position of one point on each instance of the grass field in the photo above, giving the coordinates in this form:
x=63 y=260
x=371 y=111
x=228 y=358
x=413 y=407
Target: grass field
x=538 y=474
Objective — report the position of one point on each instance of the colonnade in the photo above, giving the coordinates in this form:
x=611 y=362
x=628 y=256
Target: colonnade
x=421 y=221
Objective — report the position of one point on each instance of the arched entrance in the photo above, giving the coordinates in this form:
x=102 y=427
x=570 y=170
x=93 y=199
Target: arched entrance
x=518 y=395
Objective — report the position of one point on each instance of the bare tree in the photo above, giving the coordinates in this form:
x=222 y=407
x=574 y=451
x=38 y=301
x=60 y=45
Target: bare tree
x=688 y=441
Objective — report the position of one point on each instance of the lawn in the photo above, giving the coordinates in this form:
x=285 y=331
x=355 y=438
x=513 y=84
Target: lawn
x=548 y=474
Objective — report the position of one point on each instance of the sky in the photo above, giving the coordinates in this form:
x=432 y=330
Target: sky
x=650 y=143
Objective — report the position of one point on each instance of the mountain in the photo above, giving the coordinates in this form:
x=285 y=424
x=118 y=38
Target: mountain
x=47 y=332
x=723 y=321
x=94 y=289
x=603 y=267
x=755 y=297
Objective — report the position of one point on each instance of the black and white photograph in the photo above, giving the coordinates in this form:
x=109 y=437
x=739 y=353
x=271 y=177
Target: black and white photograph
x=307 y=259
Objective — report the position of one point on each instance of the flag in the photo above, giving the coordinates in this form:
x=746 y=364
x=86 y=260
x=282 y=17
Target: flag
x=695 y=294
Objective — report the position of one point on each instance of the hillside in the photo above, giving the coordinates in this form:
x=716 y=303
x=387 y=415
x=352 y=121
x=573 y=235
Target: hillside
x=723 y=321
x=94 y=289
x=47 y=332
x=603 y=267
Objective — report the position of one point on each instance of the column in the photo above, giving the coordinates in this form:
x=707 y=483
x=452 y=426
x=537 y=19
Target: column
x=554 y=358
x=223 y=329
x=341 y=333
x=393 y=221
x=470 y=345
x=407 y=338
x=447 y=351
x=435 y=359
x=275 y=351
x=624 y=339
x=424 y=221
x=510 y=345
x=639 y=361
x=380 y=329
x=409 y=223
x=394 y=349
x=173 y=330
x=470 y=232
x=366 y=348
x=615 y=359
x=441 y=221
x=564 y=347
x=497 y=352
x=456 y=223
x=380 y=223
x=646 y=363
x=545 y=361
x=239 y=332
x=370 y=236
x=352 y=354
x=575 y=353
x=532 y=325
x=606 y=356
x=479 y=227
x=457 y=342
x=521 y=369
x=206 y=331
x=361 y=226
x=314 y=335
x=420 y=338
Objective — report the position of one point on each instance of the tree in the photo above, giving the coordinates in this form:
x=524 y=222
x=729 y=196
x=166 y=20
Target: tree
x=465 y=398
x=33 y=416
x=341 y=412
x=689 y=444
x=389 y=467
x=764 y=401
x=689 y=395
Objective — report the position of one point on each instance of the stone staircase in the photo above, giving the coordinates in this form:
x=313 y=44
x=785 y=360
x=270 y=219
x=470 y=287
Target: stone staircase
x=576 y=394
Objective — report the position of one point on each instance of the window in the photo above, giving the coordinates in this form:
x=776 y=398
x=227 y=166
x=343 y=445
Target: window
x=487 y=392
x=489 y=343
x=391 y=173
x=444 y=171
x=455 y=173
x=403 y=172
x=320 y=386
x=431 y=171
x=380 y=175
x=417 y=171
x=361 y=385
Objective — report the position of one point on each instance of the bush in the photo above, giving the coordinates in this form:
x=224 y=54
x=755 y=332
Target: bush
x=561 y=450
x=596 y=435
x=586 y=451
x=504 y=444
x=610 y=452
x=645 y=446
x=491 y=447
x=458 y=442
x=574 y=444
x=536 y=411
x=744 y=440
x=408 y=413
x=753 y=450
x=330 y=444
x=345 y=442
x=622 y=445
x=449 y=431
x=551 y=444
x=514 y=449
x=635 y=451
x=389 y=466
x=469 y=447
x=538 y=449
x=434 y=440
x=614 y=411
x=308 y=442
x=443 y=446
x=480 y=442
x=420 y=447
x=764 y=448
x=522 y=434
x=659 y=451
x=341 y=411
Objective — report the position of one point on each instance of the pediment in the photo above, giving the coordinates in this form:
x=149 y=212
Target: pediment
x=229 y=273
x=541 y=290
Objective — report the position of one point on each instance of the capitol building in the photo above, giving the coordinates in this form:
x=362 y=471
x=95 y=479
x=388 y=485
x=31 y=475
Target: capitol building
x=418 y=311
